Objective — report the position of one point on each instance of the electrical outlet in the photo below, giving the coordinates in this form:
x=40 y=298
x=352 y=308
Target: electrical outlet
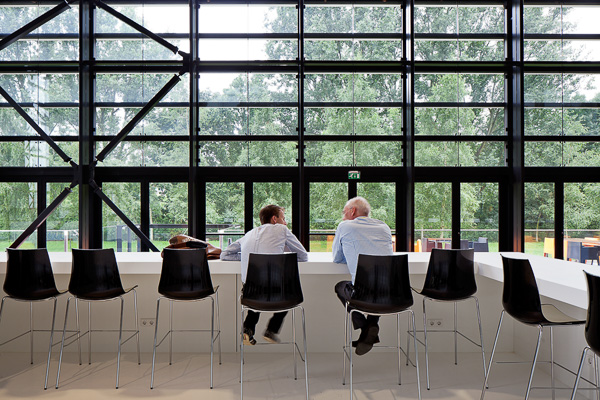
x=434 y=323
x=147 y=322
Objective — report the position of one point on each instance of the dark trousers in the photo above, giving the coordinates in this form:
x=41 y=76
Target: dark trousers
x=274 y=323
x=344 y=291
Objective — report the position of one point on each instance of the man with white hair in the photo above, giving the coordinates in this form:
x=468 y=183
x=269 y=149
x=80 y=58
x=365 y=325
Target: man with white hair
x=359 y=234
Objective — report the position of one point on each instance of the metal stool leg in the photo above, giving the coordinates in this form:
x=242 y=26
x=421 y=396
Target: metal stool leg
x=89 y=332
x=487 y=375
x=154 y=347
x=579 y=373
x=399 y=352
x=537 y=350
x=137 y=325
x=212 y=339
x=119 y=347
x=480 y=334
x=242 y=355
x=426 y=348
x=50 y=345
x=62 y=344
x=170 y=332
x=305 y=351
x=31 y=332
x=344 y=347
x=416 y=352
x=218 y=324
x=294 y=343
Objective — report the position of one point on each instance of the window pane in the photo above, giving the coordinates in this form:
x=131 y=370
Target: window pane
x=168 y=211
x=382 y=198
x=116 y=234
x=273 y=154
x=279 y=193
x=539 y=218
x=249 y=18
x=479 y=220
x=433 y=212
x=62 y=226
x=543 y=154
x=582 y=221
x=378 y=153
x=327 y=200
x=329 y=154
x=18 y=208
x=224 y=212
x=436 y=154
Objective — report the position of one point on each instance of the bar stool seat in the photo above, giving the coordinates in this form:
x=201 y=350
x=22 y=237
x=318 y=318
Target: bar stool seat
x=521 y=300
x=273 y=285
x=95 y=278
x=381 y=288
x=185 y=277
x=29 y=278
x=450 y=278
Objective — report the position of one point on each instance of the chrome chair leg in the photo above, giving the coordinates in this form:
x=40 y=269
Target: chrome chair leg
x=455 y=336
x=399 y=352
x=89 y=332
x=487 y=374
x=416 y=352
x=294 y=343
x=349 y=344
x=242 y=355
x=480 y=334
x=119 y=347
x=305 y=351
x=50 y=345
x=212 y=339
x=426 y=347
x=408 y=340
x=78 y=328
x=345 y=346
x=596 y=376
x=137 y=325
x=537 y=349
x=62 y=344
x=218 y=324
x=31 y=332
x=578 y=376
x=170 y=332
x=154 y=347
x=552 y=362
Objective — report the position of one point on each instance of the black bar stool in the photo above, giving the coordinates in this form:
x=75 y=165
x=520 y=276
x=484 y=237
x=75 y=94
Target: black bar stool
x=450 y=278
x=273 y=285
x=592 y=328
x=29 y=278
x=521 y=300
x=185 y=277
x=381 y=287
x=94 y=278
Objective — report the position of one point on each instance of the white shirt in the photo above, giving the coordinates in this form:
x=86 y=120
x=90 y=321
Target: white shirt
x=267 y=238
x=362 y=235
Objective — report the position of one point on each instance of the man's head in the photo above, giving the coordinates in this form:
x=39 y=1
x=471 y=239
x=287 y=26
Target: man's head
x=272 y=214
x=356 y=207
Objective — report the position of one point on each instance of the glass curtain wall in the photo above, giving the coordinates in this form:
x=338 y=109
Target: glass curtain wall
x=161 y=118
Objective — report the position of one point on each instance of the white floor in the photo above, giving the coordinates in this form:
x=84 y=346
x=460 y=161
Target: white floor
x=266 y=376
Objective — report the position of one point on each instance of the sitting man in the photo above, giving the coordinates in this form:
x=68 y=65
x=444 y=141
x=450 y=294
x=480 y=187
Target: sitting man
x=359 y=234
x=272 y=236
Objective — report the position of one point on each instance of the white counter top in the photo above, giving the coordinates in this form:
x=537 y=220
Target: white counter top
x=557 y=279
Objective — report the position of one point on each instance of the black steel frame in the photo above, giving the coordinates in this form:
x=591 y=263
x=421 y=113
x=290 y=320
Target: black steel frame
x=90 y=175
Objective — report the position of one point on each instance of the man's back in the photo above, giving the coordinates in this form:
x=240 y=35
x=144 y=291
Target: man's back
x=362 y=235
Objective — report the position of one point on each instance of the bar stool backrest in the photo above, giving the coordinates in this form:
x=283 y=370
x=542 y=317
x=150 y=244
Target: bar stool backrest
x=272 y=282
x=94 y=274
x=592 y=322
x=382 y=284
x=29 y=274
x=450 y=275
x=185 y=274
x=520 y=296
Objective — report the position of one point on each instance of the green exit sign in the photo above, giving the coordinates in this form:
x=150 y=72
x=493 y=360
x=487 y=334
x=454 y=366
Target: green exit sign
x=353 y=174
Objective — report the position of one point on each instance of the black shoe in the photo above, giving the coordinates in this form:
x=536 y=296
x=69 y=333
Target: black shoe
x=368 y=337
x=249 y=337
x=271 y=337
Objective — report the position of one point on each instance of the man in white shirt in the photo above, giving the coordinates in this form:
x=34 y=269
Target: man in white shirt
x=272 y=236
x=359 y=234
